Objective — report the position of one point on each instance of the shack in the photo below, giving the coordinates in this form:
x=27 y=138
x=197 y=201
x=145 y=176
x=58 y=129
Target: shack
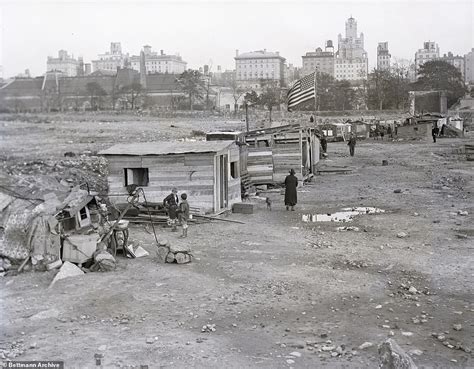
x=272 y=152
x=416 y=128
x=336 y=131
x=207 y=171
x=360 y=128
x=239 y=138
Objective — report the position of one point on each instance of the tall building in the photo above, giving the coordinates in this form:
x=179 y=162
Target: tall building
x=64 y=63
x=456 y=61
x=383 y=56
x=111 y=60
x=469 y=66
x=429 y=52
x=351 y=61
x=254 y=66
x=159 y=63
x=322 y=61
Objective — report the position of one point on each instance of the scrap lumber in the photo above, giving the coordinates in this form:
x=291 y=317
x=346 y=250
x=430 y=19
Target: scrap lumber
x=222 y=220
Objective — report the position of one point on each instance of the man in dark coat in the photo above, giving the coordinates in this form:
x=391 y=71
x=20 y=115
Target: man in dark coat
x=324 y=143
x=352 y=144
x=291 y=198
x=171 y=205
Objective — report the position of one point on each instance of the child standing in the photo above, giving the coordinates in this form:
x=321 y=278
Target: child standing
x=183 y=214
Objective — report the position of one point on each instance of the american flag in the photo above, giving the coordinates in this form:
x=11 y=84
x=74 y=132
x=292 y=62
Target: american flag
x=303 y=90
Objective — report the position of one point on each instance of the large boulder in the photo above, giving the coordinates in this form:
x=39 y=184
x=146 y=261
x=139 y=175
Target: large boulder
x=392 y=356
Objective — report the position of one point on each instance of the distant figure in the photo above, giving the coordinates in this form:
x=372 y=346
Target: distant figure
x=269 y=203
x=183 y=214
x=382 y=133
x=434 y=132
x=389 y=131
x=171 y=205
x=352 y=144
x=291 y=197
x=311 y=119
x=324 y=143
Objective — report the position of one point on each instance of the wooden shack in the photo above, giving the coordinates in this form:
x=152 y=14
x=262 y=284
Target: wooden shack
x=360 y=128
x=209 y=172
x=415 y=129
x=272 y=152
x=336 y=131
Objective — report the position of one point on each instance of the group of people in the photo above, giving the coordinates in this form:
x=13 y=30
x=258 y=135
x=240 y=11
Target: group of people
x=178 y=211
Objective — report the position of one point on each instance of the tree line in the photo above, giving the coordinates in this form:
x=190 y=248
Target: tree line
x=382 y=90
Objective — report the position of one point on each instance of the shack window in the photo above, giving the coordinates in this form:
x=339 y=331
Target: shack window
x=234 y=169
x=83 y=213
x=137 y=176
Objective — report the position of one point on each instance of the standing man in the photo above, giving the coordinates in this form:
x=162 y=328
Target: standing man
x=352 y=144
x=435 y=131
x=324 y=143
x=291 y=198
x=311 y=119
x=171 y=205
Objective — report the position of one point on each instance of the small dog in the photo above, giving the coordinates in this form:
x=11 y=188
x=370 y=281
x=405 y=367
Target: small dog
x=269 y=203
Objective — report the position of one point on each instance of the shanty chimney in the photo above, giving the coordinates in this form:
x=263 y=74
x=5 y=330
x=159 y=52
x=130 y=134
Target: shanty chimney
x=237 y=52
x=162 y=52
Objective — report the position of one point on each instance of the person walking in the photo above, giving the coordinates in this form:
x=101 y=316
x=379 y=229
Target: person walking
x=171 y=205
x=291 y=197
x=352 y=144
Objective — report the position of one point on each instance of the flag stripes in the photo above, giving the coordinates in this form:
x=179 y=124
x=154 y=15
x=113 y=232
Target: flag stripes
x=303 y=90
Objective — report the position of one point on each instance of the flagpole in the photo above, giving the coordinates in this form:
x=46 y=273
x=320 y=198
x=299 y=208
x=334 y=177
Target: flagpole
x=315 y=97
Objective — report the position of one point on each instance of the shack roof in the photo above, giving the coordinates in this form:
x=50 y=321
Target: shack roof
x=167 y=148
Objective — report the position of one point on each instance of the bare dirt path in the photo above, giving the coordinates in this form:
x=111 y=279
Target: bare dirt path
x=281 y=292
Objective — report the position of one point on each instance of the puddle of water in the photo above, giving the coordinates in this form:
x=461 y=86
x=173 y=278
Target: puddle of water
x=346 y=215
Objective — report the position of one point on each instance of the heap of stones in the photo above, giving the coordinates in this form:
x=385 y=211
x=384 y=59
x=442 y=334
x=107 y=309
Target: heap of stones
x=180 y=254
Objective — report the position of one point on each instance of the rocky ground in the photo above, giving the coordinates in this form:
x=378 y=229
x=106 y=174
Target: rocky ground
x=275 y=292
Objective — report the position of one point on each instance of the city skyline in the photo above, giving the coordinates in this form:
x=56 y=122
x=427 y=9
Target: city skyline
x=210 y=32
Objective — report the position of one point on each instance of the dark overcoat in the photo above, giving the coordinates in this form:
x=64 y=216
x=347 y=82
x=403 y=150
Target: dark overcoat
x=291 y=197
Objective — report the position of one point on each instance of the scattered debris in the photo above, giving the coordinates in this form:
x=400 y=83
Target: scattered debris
x=457 y=327
x=67 y=270
x=392 y=356
x=208 y=328
x=463 y=212
x=295 y=354
x=366 y=345
x=402 y=235
x=348 y=228
x=45 y=314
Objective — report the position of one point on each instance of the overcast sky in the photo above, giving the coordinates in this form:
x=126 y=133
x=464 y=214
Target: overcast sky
x=204 y=32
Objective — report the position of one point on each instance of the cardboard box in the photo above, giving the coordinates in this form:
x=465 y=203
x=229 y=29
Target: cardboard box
x=79 y=248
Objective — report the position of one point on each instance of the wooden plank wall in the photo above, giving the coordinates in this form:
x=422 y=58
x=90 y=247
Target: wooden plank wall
x=234 y=191
x=286 y=156
x=190 y=173
x=260 y=164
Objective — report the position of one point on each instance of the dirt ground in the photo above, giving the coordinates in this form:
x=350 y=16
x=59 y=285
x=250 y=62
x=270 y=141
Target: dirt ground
x=281 y=292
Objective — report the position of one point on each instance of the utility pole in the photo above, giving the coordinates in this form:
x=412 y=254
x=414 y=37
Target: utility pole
x=247 y=115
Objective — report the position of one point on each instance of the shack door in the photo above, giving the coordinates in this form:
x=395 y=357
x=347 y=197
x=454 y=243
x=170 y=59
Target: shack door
x=222 y=182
